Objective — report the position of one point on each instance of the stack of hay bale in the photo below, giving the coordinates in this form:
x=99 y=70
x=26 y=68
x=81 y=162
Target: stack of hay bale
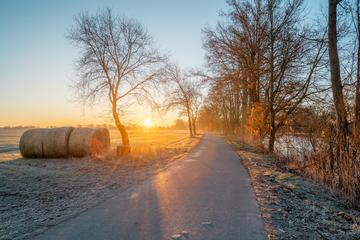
x=64 y=142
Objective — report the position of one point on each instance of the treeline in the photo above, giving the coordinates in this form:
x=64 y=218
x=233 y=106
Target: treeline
x=273 y=71
x=266 y=62
x=17 y=127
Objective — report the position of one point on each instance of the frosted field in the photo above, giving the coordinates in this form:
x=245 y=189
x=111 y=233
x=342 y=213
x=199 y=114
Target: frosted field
x=141 y=140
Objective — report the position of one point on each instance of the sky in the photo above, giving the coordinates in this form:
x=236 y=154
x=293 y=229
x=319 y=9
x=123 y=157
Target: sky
x=37 y=62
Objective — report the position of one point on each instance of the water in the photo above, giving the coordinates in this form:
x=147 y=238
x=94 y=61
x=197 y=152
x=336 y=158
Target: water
x=9 y=143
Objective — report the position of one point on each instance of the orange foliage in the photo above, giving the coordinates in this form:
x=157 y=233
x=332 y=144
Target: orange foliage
x=255 y=125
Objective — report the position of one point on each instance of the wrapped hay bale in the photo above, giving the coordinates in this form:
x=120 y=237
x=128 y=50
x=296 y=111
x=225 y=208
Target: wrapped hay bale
x=88 y=141
x=31 y=143
x=55 y=142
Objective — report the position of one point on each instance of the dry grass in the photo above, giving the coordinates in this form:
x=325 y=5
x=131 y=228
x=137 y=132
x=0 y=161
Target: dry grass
x=152 y=142
x=294 y=207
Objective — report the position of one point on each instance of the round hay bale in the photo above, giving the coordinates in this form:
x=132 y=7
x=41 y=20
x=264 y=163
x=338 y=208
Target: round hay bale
x=88 y=141
x=55 y=142
x=31 y=143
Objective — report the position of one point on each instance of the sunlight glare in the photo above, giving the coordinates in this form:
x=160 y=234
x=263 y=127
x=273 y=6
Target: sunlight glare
x=148 y=123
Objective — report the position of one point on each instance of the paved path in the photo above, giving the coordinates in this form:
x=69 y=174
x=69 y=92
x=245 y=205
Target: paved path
x=207 y=194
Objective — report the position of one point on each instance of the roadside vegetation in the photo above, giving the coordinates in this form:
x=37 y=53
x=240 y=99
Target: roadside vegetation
x=291 y=205
x=289 y=85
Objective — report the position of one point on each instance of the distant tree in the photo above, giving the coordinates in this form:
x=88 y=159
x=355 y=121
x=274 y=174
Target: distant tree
x=179 y=124
x=196 y=102
x=209 y=120
x=117 y=60
x=182 y=94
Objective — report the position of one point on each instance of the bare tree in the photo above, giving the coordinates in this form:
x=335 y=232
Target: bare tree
x=117 y=60
x=182 y=94
x=336 y=84
x=292 y=48
x=356 y=21
x=263 y=56
x=235 y=50
x=196 y=102
x=341 y=156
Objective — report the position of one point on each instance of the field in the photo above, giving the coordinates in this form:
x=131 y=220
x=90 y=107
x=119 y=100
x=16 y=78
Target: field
x=143 y=141
x=38 y=193
x=159 y=138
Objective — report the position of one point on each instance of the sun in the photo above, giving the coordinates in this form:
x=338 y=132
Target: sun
x=148 y=123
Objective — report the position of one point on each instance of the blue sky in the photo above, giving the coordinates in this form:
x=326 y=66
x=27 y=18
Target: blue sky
x=37 y=61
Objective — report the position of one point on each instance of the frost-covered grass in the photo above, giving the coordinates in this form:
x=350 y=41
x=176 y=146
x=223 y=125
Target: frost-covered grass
x=38 y=193
x=293 y=146
x=153 y=141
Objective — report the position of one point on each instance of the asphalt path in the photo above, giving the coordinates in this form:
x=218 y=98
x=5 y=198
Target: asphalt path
x=207 y=195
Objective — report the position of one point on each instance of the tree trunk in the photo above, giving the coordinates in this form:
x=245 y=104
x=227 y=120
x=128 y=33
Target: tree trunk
x=121 y=128
x=194 y=125
x=336 y=85
x=272 y=81
x=357 y=94
x=189 y=122
x=244 y=109
x=272 y=140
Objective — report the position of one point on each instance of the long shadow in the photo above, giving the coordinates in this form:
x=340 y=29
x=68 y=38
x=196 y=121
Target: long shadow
x=148 y=223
